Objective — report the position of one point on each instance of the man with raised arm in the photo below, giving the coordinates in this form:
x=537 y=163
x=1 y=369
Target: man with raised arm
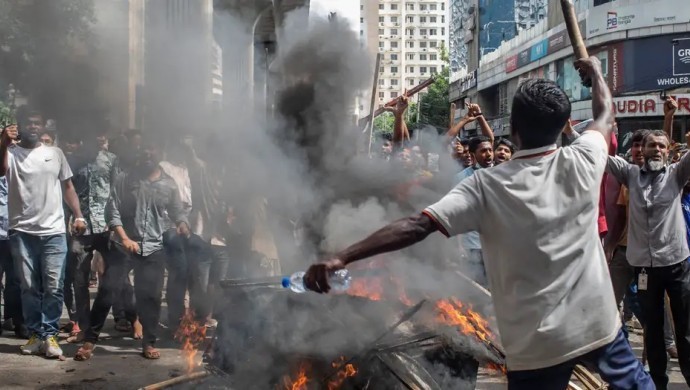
x=545 y=263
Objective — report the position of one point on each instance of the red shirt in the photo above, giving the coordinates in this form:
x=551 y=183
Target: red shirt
x=603 y=228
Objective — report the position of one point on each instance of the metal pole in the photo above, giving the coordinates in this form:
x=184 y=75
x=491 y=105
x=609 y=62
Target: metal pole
x=373 y=101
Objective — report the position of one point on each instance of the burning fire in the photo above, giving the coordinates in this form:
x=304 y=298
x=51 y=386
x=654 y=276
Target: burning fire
x=453 y=312
x=191 y=334
x=373 y=288
x=345 y=372
x=300 y=381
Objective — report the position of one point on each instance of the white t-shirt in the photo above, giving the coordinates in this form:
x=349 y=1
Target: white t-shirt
x=34 y=179
x=546 y=267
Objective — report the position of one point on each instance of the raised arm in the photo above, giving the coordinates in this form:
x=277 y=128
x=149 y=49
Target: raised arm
x=670 y=107
x=483 y=124
x=602 y=102
x=397 y=235
x=455 y=129
x=400 y=132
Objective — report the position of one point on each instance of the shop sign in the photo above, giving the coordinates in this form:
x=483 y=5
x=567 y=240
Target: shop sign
x=656 y=63
x=557 y=42
x=609 y=18
x=648 y=105
x=511 y=63
x=500 y=126
x=539 y=50
x=469 y=81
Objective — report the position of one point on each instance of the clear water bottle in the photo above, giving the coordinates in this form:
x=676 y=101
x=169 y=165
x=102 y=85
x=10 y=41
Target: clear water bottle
x=338 y=280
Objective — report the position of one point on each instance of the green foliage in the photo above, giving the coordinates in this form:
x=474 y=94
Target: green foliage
x=434 y=103
x=383 y=124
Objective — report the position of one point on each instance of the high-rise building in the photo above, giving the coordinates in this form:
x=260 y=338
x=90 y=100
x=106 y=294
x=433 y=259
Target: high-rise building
x=409 y=34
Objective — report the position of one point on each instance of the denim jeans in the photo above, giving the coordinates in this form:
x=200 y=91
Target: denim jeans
x=41 y=264
x=11 y=291
x=615 y=362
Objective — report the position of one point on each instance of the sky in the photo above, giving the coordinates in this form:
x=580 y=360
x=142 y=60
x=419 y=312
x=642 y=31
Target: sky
x=348 y=9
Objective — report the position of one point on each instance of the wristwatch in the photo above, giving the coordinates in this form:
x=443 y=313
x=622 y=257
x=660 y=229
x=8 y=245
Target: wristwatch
x=79 y=220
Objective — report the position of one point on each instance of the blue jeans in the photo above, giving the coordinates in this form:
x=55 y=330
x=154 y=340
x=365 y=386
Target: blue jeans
x=40 y=263
x=615 y=362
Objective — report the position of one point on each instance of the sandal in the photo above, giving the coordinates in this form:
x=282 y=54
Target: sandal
x=150 y=352
x=85 y=352
x=75 y=338
x=123 y=325
x=137 y=330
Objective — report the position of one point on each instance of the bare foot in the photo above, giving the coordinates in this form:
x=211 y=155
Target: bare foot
x=150 y=352
x=85 y=352
x=137 y=330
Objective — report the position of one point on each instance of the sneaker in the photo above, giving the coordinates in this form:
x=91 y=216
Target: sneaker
x=52 y=347
x=33 y=347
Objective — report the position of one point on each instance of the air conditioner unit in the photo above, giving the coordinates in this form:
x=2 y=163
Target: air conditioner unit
x=423 y=49
x=426 y=37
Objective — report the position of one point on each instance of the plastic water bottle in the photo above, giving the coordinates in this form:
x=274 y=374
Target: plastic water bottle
x=338 y=280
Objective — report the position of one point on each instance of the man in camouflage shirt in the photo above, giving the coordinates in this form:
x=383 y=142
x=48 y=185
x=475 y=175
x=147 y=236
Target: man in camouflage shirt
x=95 y=169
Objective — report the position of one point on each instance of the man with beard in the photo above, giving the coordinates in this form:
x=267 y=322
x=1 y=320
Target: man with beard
x=95 y=170
x=38 y=180
x=503 y=151
x=554 y=302
x=143 y=204
x=482 y=152
x=657 y=247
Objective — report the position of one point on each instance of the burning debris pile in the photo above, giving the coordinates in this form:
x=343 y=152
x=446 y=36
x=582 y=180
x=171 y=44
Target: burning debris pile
x=270 y=338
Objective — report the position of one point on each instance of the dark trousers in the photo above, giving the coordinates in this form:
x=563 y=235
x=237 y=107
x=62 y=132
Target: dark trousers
x=615 y=362
x=148 y=285
x=673 y=280
x=11 y=291
x=78 y=273
x=183 y=258
x=207 y=276
x=111 y=288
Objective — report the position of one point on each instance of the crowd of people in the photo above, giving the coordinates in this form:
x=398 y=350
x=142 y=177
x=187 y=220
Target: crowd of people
x=98 y=208
x=76 y=210
x=538 y=229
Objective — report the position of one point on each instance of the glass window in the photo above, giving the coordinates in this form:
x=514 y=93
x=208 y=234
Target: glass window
x=394 y=95
x=433 y=57
x=422 y=19
x=410 y=56
x=422 y=69
x=394 y=69
x=394 y=45
x=410 y=82
x=394 y=57
x=410 y=69
x=410 y=44
x=433 y=7
x=422 y=44
x=432 y=19
x=382 y=82
x=443 y=19
x=422 y=31
x=394 y=19
x=432 y=31
x=381 y=45
x=433 y=44
x=394 y=82
x=422 y=57
x=361 y=20
x=380 y=19
x=381 y=31
x=422 y=7
x=410 y=31
x=380 y=6
x=382 y=95
x=394 y=31
x=433 y=70
x=394 y=7
x=409 y=6
x=410 y=19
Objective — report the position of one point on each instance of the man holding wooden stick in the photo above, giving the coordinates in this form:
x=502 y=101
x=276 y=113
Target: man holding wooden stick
x=545 y=264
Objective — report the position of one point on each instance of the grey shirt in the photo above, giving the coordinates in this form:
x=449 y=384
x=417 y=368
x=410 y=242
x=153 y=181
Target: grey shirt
x=145 y=209
x=656 y=228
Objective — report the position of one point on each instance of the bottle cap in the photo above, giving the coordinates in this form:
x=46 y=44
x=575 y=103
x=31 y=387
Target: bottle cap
x=285 y=282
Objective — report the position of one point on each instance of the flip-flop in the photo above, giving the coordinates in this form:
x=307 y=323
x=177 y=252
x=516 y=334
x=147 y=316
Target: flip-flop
x=151 y=353
x=84 y=353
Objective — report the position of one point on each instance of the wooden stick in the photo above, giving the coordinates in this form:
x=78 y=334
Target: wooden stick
x=452 y=115
x=391 y=103
x=373 y=100
x=574 y=29
x=177 y=380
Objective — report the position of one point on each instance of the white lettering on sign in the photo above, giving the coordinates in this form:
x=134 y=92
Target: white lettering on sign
x=651 y=105
x=684 y=55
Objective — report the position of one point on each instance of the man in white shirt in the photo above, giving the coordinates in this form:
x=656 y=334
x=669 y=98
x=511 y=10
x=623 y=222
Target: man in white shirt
x=546 y=266
x=37 y=177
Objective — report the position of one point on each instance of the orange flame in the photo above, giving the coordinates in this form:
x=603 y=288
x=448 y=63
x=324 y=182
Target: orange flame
x=300 y=381
x=453 y=312
x=345 y=372
x=191 y=334
x=370 y=288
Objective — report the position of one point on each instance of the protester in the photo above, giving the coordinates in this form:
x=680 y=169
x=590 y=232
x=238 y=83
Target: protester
x=550 y=197
x=503 y=151
x=48 y=138
x=38 y=180
x=657 y=247
x=142 y=205
x=95 y=170
x=12 y=318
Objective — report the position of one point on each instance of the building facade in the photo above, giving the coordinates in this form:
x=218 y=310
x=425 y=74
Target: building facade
x=624 y=35
x=410 y=35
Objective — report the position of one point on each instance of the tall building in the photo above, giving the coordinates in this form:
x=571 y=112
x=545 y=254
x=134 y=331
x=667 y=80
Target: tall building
x=409 y=34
